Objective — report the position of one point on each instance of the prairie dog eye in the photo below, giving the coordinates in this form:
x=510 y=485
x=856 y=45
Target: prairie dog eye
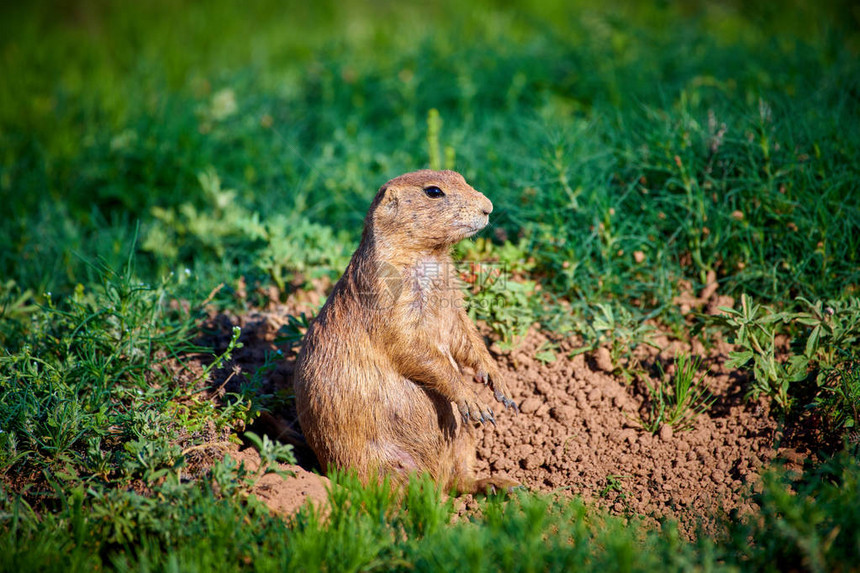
x=434 y=192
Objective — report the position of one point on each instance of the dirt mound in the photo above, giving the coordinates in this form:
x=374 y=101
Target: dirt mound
x=285 y=494
x=578 y=431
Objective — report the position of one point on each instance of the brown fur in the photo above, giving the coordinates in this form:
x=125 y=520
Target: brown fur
x=385 y=358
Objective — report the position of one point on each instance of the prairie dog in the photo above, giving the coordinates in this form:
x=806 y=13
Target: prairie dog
x=380 y=381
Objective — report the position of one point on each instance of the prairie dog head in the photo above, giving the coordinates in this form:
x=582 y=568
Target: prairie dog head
x=428 y=209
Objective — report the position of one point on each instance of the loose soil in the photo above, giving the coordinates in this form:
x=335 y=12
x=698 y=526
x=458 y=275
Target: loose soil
x=578 y=431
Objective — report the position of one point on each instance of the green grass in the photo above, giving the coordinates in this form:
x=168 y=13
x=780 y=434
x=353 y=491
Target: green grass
x=152 y=151
x=210 y=525
x=85 y=394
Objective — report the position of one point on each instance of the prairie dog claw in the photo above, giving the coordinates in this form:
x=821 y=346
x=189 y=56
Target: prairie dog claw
x=500 y=389
x=474 y=410
x=508 y=403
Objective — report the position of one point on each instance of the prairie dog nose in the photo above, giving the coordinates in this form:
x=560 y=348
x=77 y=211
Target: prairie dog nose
x=486 y=205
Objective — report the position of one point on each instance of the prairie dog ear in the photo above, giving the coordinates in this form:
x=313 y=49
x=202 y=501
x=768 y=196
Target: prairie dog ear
x=388 y=199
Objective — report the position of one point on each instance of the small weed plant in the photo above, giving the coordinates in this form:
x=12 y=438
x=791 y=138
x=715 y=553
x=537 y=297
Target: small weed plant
x=622 y=330
x=678 y=400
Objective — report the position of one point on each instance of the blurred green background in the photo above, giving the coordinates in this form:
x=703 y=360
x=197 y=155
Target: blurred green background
x=625 y=145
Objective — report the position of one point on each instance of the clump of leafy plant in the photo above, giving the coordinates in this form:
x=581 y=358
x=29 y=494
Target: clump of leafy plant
x=753 y=327
x=280 y=246
x=614 y=488
x=15 y=306
x=825 y=338
x=678 y=400
x=234 y=479
x=547 y=352
x=292 y=333
x=497 y=291
x=506 y=306
x=617 y=326
x=834 y=334
x=840 y=396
